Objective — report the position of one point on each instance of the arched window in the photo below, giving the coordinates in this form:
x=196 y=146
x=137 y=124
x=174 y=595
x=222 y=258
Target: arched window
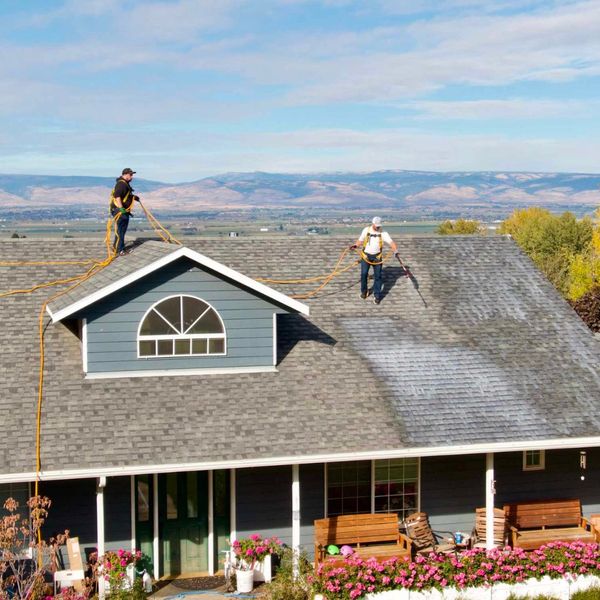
x=181 y=326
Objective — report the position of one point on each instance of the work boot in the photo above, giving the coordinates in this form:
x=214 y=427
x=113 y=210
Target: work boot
x=363 y=295
x=376 y=300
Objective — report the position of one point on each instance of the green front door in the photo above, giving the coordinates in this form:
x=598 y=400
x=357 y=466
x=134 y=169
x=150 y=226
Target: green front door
x=183 y=518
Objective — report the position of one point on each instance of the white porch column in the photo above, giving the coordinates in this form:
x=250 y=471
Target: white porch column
x=155 y=538
x=100 y=485
x=296 y=515
x=211 y=525
x=489 y=500
x=232 y=507
x=132 y=510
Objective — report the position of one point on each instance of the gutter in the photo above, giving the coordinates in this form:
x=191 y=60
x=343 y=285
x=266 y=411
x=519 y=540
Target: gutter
x=433 y=451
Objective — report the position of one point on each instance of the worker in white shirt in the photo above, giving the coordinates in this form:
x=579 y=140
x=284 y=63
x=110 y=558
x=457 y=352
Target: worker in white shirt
x=371 y=241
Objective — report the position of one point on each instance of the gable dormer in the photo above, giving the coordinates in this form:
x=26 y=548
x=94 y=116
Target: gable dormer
x=173 y=311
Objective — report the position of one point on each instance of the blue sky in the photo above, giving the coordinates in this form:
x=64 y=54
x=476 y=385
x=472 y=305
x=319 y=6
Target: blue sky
x=183 y=89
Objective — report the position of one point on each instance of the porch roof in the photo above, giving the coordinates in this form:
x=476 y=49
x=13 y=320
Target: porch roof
x=490 y=357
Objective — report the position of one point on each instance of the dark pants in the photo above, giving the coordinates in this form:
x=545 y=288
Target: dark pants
x=122 y=224
x=364 y=274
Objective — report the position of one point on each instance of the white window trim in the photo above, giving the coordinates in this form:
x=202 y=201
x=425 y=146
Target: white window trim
x=181 y=336
x=372 y=483
x=540 y=467
x=84 y=344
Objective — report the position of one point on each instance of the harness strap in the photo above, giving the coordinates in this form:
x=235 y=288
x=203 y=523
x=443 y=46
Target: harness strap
x=368 y=238
x=123 y=200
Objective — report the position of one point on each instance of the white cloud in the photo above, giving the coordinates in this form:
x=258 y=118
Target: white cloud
x=514 y=108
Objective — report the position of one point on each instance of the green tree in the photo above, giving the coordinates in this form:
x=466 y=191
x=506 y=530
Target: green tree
x=459 y=227
x=556 y=243
x=584 y=273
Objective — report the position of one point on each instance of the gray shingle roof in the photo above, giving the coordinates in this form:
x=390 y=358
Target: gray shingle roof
x=143 y=255
x=496 y=355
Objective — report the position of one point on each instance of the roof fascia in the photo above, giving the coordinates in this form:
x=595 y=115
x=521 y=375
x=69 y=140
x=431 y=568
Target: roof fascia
x=464 y=449
x=209 y=263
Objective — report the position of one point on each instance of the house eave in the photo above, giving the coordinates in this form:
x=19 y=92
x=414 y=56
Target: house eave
x=205 y=261
x=423 y=452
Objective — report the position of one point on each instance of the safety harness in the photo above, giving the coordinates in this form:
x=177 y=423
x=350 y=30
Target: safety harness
x=366 y=243
x=126 y=206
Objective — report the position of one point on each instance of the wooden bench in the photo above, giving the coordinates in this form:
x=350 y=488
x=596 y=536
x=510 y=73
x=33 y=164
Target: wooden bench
x=369 y=535
x=533 y=524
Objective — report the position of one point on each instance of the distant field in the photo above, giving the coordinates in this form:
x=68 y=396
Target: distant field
x=140 y=228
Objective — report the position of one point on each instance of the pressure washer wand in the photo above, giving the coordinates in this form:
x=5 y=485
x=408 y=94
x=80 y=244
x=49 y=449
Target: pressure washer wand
x=413 y=279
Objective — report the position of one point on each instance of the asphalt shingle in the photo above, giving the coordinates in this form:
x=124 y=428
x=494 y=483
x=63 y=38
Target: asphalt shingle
x=490 y=352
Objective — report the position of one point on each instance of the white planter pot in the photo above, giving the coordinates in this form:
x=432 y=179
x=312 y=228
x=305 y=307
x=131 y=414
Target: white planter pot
x=262 y=570
x=244 y=581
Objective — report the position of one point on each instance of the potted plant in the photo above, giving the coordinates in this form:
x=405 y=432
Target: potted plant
x=253 y=560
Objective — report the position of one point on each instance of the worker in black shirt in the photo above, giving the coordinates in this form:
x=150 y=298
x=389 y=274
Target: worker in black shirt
x=121 y=200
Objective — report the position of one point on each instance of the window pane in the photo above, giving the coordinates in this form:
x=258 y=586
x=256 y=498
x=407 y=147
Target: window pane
x=396 y=491
x=216 y=346
x=182 y=346
x=171 y=310
x=147 y=348
x=192 y=309
x=171 y=495
x=143 y=498
x=165 y=347
x=411 y=469
x=209 y=323
x=154 y=325
x=349 y=488
x=396 y=487
x=221 y=489
x=192 y=495
x=199 y=346
x=363 y=505
x=334 y=508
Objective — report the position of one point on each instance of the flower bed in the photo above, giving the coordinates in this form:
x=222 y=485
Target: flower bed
x=474 y=568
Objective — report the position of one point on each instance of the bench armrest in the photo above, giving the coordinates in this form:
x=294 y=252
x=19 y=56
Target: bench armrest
x=405 y=542
x=591 y=528
x=514 y=529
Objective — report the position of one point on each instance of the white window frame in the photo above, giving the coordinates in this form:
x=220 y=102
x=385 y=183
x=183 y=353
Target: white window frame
x=539 y=467
x=182 y=336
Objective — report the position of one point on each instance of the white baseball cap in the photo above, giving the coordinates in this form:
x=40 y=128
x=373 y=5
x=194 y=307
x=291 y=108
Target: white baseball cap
x=377 y=221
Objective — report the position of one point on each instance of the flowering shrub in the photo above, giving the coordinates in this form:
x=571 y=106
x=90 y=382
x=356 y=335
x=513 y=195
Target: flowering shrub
x=251 y=550
x=113 y=566
x=472 y=568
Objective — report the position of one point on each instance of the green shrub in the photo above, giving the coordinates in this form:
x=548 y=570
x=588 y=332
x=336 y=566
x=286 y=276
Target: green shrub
x=460 y=227
x=284 y=586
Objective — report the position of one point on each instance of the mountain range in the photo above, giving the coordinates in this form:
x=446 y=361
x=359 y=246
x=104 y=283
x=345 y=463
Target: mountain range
x=418 y=194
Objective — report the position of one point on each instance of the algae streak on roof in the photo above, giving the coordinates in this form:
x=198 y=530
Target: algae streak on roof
x=495 y=355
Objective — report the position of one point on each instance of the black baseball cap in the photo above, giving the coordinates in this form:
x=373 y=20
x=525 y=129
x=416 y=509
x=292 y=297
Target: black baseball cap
x=127 y=171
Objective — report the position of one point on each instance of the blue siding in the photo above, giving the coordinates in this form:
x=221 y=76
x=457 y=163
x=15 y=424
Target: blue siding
x=113 y=322
x=560 y=479
x=312 y=504
x=264 y=502
x=74 y=508
x=452 y=487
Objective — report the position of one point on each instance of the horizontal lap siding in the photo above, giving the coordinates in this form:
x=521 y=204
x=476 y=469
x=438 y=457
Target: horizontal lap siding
x=264 y=502
x=113 y=322
x=560 y=479
x=451 y=489
x=312 y=504
x=74 y=508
